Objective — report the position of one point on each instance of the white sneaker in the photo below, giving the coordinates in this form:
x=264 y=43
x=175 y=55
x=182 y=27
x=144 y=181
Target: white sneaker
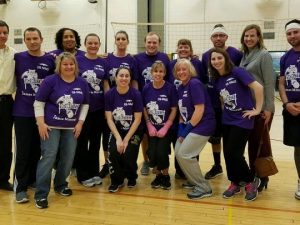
x=297 y=193
x=97 y=180
x=88 y=183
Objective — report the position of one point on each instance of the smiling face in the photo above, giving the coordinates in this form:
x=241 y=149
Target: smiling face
x=218 y=62
x=183 y=73
x=67 y=67
x=92 y=44
x=293 y=37
x=158 y=74
x=184 y=51
x=251 y=38
x=3 y=36
x=123 y=78
x=152 y=44
x=69 y=41
x=33 y=41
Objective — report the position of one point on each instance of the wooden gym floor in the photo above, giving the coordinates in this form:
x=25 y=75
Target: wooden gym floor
x=144 y=206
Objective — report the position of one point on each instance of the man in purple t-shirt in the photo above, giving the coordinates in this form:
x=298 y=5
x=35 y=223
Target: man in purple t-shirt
x=289 y=90
x=218 y=37
x=144 y=63
x=32 y=66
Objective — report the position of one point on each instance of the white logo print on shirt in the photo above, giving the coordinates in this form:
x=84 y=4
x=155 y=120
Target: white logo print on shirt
x=147 y=75
x=66 y=103
x=120 y=116
x=31 y=78
x=291 y=74
x=155 y=114
x=91 y=78
x=182 y=110
x=229 y=100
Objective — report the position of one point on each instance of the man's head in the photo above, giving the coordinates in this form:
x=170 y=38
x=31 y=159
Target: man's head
x=219 y=36
x=33 y=39
x=292 y=31
x=152 y=41
x=4 y=30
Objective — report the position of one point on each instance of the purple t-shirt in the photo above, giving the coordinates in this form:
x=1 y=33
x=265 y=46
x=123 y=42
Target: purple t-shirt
x=59 y=51
x=123 y=107
x=114 y=62
x=30 y=72
x=144 y=64
x=62 y=100
x=290 y=68
x=159 y=102
x=237 y=97
x=235 y=56
x=202 y=76
x=94 y=71
x=195 y=93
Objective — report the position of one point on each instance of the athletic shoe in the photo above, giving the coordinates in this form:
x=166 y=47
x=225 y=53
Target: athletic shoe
x=251 y=190
x=131 y=183
x=215 y=171
x=104 y=171
x=97 y=180
x=115 y=187
x=22 y=197
x=88 y=183
x=197 y=194
x=165 y=182
x=157 y=181
x=297 y=193
x=65 y=192
x=231 y=191
x=41 y=203
x=187 y=185
x=145 y=170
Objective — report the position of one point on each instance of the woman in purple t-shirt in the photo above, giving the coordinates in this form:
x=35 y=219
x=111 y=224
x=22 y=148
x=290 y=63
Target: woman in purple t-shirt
x=196 y=125
x=61 y=105
x=123 y=111
x=160 y=103
x=234 y=85
x=94 y=70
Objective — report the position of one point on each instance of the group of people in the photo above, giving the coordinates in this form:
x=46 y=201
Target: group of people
x=67 y=100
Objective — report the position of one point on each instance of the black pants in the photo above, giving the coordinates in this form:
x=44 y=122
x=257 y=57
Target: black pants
x=234 y=143
x=158 y=152
x=123 y=166
x=6 y=123
x=105 y=136
x=28 y=152
x=88 y=146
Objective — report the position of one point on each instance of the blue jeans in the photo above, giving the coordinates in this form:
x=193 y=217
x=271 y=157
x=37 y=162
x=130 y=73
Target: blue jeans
x=66 y=142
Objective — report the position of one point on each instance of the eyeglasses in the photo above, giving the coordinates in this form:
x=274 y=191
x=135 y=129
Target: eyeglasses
x=219 y=35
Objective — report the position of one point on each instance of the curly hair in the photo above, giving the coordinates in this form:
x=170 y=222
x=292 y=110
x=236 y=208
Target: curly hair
x=59 y=38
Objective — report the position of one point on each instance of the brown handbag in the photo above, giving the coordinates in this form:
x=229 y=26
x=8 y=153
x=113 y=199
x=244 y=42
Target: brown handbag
x=265 y=166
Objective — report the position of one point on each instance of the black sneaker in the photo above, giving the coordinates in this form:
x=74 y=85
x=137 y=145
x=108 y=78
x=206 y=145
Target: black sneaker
x=65 y=192
x=115 y=187
x=157 y=181
x=131 y=183
x=41 y=203
x=165 y=182
x=215 y=171
x=104 y=171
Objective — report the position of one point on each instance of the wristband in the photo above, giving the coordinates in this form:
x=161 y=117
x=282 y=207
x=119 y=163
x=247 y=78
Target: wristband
x=188 y=128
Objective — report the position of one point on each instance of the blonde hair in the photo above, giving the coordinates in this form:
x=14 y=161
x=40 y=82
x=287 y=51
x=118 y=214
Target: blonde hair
x=61 y=57
x=158 y=64
x=186 y=62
